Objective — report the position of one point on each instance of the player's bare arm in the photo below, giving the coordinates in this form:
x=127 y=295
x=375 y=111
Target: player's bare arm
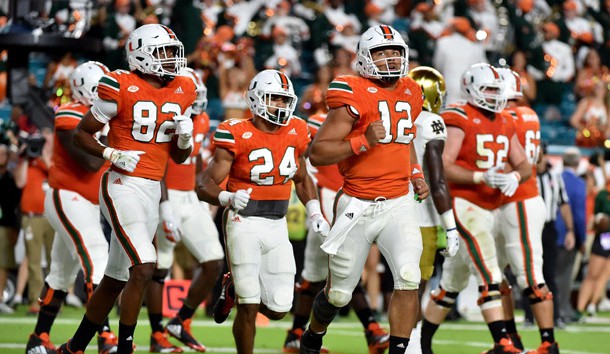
x=179 y=155
x=436 y=175
x=305 y=188
x=85 y=160
x=329 y=145
x=420 y=187
x=453 y=172
x=208 y=188
x=518 y=159
x=83 y=135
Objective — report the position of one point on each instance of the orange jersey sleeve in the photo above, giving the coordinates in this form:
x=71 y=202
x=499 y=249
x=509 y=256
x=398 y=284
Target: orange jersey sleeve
x=265 y=162
x=527 y=128
x=182 y=176
x=327 y=176
x=65 y=173
x=384 y=170
x=32 y=195
x=144 y=119
x=486 y=144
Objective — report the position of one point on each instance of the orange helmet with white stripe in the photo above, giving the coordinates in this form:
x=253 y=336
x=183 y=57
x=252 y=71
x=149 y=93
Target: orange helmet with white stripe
x=264 y=86
x=154 y=49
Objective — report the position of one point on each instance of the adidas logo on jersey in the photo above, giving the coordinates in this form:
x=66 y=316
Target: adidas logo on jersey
x=179 y=90
x=408 y=92
x=117 y=181
x=292 y=132
x=349 y=215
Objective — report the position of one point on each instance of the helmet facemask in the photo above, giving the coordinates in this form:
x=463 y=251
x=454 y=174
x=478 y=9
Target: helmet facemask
x=490 y=96
x=281 y=115
x=380 y=68
x=201 y=102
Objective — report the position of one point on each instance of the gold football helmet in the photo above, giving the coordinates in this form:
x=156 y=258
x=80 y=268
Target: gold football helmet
x=432 y=84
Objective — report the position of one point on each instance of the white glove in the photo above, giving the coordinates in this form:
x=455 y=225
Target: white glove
x=170 y=226
x=512 y=183
x=319 y=224
x=125 y=160
x=237 y=200
x=493 y=178
x=453 y=243
x=184 y=130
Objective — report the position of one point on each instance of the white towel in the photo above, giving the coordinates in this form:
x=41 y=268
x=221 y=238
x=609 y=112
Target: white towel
x=343 y=224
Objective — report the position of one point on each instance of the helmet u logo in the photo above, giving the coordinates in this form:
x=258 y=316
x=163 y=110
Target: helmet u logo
x=139 y=45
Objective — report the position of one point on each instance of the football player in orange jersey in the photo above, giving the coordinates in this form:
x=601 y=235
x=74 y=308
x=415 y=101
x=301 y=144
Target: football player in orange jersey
x=519 y=224
x=183 y=218
x=368 y=132
x=148 y=110
x=261 y=156
x=72 y=208
x=481 y=140
x=313 y=276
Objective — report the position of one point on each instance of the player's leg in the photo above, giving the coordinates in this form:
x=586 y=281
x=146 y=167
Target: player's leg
x=200 y=237
x=400 y=242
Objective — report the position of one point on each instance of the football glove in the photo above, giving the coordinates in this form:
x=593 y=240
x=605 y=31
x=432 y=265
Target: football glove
x=237 y=200
x=125 y=160
x=453 y=243
x=184 y=130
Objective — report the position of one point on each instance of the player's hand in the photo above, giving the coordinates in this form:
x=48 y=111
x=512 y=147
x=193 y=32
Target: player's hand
x=125 y=160
x=570 y=241
x=184 y=130
x=512 y=183
x=420 y=187
x=170 y=226
x=237 y=200
x=375 y=132
x=319 y=224
x=453 y=243
x=493 y=178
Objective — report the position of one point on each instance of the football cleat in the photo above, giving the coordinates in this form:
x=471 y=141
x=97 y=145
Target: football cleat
x=306 y=347
x=39 y=344
x=377 y=338
x=107 y=343
x=516 y=339
x=226 y=300
x=181 y=330
x=63 y=349
x=546 y=348
x=293 y=342
x=505 y=346
x=160 y=344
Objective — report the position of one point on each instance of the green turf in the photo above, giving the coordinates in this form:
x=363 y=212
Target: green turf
x=345 y=335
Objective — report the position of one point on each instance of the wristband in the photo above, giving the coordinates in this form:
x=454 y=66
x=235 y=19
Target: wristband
x=518 y=175
x=224 y=198
x=313 y=207
x=417 y=172
x=107 y=154
x=448 y=219
x=477 y=177
x=359 y=144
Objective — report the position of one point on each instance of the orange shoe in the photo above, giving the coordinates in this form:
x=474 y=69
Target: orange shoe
x=40 y=344
x=107 y=343
x=377 y=338
x=505 y=346
x=546 y=348
x=181 y=330
x=160 y=344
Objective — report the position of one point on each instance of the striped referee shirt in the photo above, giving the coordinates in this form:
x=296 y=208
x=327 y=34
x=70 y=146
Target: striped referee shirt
x=553 y=191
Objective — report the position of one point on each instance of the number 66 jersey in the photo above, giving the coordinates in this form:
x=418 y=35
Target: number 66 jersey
x=143 y=119
x=486 y=144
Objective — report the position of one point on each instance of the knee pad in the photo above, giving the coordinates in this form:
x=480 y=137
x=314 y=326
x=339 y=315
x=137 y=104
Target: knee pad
x=535 y=295
x=409 y=278
x=306 y=287
x=443 y=298
x=324 y=311
x=338 y=298
x=490 y=296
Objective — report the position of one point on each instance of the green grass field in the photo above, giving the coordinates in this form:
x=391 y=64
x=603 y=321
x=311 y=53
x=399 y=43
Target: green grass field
x=345 y=335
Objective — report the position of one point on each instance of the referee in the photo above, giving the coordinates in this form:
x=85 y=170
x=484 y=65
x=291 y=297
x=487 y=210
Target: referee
x=553 y=192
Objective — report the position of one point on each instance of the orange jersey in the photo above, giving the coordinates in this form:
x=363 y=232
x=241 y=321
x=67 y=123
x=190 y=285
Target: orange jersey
x=32 y=195
x=182 y=176
x=144 y=119
x=328 y=176
x=65 y=173
x=385 y=169
x=486 y=144
x=527 y=128
x=265 y=162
